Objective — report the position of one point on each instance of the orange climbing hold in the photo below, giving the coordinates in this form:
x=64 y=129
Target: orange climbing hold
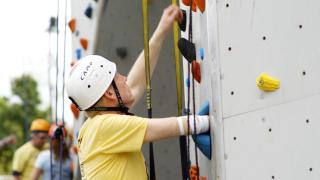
x=72 y=25
x=201 y=4
x=187 y=3
x=194 y=172
x=75 y=111
x=84 y=43
x=196 y=71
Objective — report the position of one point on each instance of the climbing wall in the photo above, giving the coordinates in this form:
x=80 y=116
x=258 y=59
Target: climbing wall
x=84 y=23
x=258 y=134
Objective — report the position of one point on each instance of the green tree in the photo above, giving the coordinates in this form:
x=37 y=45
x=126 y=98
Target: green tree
x=16 y=117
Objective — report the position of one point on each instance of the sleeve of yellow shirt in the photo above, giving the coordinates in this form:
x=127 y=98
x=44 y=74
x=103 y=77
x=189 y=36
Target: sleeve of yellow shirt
x=122 y=133
x=19 y=161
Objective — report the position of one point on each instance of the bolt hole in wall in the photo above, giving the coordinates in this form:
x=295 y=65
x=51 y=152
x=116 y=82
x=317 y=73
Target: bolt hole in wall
x=300 y=26
x=272 y=177
x=227 y=5
x=304 y=73
x=310 y=169
x=307 y=120
x=234 y=138
x=270 y=129
x=264 y=38
x=232 y=93
x=229 y=49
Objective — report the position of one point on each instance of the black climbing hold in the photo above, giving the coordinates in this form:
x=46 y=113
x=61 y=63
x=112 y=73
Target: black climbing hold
x=122 y=52
x=182 y=24
x=88 y=11
x=187 y=49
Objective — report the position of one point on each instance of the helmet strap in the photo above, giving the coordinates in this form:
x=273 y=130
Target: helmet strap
x=121 y=107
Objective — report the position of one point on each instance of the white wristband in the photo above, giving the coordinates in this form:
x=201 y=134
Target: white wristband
x=202 y=124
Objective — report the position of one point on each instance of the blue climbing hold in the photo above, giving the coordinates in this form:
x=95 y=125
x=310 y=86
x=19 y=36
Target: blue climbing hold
x=188 y=82
x=88 y=11
x=78 y=53
x=203 y=141
x=204 y=109
x=202 y=53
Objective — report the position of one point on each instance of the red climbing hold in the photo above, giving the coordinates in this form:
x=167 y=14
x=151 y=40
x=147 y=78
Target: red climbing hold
x=201 y=5
x=196 y=71
x=194 y=172
x=84 y=43
x=187 y=3
x=72 y=25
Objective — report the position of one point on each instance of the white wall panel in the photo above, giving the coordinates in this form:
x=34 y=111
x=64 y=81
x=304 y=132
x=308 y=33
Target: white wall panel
x=281 y=141
x=287 y=51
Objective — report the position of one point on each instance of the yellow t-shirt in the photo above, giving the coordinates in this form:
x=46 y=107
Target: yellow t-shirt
x=25 y=158
x=110 y=147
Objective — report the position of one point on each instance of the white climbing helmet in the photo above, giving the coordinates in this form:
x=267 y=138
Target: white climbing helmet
x=89 y=79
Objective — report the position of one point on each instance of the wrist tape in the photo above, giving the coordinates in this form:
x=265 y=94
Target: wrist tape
x=202 y=124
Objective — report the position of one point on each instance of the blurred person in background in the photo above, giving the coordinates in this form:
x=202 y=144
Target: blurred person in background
x=11 y=139
x=43 y=162
x=25 y=157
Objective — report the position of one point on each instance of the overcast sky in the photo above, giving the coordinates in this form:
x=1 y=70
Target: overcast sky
x=25 y=43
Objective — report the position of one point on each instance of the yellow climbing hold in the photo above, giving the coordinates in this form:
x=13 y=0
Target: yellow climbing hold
x=267 y=83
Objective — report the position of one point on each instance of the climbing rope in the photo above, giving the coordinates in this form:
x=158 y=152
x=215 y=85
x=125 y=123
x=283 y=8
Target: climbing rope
x=59 y=133
x=148 y=81
x=182 y=139
x=193 y=96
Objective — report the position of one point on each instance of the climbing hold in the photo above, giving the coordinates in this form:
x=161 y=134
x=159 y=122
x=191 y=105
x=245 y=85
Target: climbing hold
x=88 y=11
x=187 y=49
x=201 y=4
x=194 y=172
x=72 y=25
x=202 y=53
x=188 y=82
x=84 y=43
x=187 y=3
x=78 y=53
x=196 y=71
x=267 y=83
x=122 y=52
x=204 y=109
x=183 y=23
x=75 y=111
x=203 y=141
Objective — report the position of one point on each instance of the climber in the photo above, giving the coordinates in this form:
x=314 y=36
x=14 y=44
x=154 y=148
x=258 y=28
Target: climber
x=25 y=157
x=43 y=166
x=111 y=138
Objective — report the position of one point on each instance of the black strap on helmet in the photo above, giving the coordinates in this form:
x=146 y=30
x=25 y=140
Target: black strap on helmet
x=121 y=107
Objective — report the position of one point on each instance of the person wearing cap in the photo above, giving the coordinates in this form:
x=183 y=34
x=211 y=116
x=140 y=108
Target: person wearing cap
x=25 y=157
x=59 y=157
x=110 y=140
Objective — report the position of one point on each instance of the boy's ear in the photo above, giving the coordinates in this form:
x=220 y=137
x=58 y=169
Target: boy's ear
x=109 y=95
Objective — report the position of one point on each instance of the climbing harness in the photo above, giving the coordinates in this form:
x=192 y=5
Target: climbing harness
x=148 y=81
